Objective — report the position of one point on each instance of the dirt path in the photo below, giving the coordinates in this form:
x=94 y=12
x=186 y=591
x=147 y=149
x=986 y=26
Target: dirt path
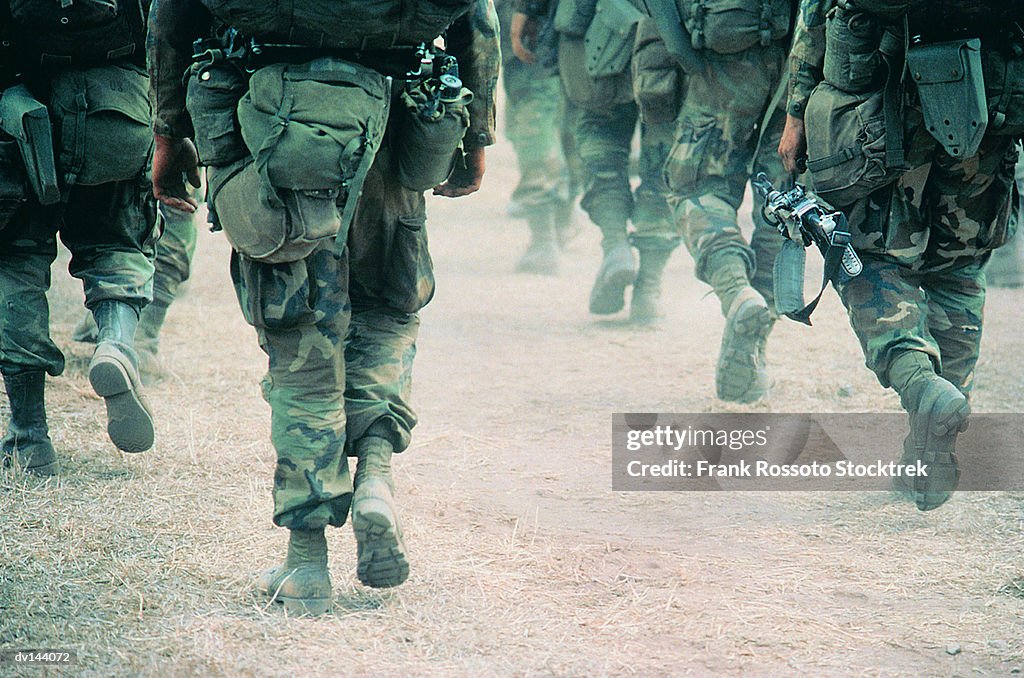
x=524 y=560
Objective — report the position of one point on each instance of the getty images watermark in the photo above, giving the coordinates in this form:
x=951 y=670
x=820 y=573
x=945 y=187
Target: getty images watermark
x=800 y=452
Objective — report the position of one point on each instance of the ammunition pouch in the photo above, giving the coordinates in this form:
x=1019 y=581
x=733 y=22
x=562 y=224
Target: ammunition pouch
x=951 y=89
x=299 y=222
x=314 y=127
x=1004 y=85
x=13 y=182
x=214 y=89
x=428 y=135
x=580 y=87
x=847 y=144
x=573 y=17
x=26 y=121
x=104 y=119
x=853 y=62
x=731 y=26
x=608 y=43
x=657 y=77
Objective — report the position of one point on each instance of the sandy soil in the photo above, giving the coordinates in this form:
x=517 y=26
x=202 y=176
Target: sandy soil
x=525 y=562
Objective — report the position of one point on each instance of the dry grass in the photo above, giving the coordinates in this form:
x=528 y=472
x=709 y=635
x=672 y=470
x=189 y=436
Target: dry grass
x=524 y=562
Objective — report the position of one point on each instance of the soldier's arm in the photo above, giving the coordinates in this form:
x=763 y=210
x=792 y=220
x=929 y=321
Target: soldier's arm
x=473 y=40
x=173 y=26
x=808 y=54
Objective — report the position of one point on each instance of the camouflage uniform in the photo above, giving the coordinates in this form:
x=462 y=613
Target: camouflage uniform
x=719 y=143
x=534 y=121
x=339 y=330
x=109 y=229
x=917 y=307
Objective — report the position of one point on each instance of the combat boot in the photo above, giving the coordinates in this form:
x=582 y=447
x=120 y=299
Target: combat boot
x=617 y=272
x=27 y=441
x=114 y=375
x=380 y=550
x=302 y=584
x=741 y=374
x=643 y=307
x=541 y=254
x=147 y=344
x=938 y=413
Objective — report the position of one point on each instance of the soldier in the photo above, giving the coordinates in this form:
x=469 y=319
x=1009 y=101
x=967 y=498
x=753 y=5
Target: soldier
x=332 y=104
x=174 y=254
x=534 y=112
x=925 y=211
x=74 y=75
x=721 y=140
x=603 y=118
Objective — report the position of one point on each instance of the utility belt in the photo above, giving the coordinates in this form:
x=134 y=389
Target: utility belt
x=300 y=127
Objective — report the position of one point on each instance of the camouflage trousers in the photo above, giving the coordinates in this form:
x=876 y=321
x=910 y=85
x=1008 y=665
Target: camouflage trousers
x=340 y=332
x=534 y=113
x=925 y=241
x=174 y=255
x=718 y=146
x=110 y=231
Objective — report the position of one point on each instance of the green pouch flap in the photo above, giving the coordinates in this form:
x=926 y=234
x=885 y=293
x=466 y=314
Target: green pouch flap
x=951 y=87
x=28 y=121
x=608 y=44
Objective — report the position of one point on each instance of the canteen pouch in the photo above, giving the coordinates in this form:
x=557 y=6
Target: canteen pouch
x=272 y=234
x=951 y=88
x=853 y=62
x=27 y=122
x=732 y=26
x=13 y=182
x=214 y=90
x=846 y=144
x=608 y=43
x=656 y=76
x=428 y=135
x=104 y=118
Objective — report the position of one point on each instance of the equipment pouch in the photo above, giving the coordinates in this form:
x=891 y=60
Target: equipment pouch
x=104 y=117
x=580 y=87
x=656 y=76
x=13 y=188
x=315 y=126
x=272 y=234
x=573 y=17
x=27 y=120
x=732 y=26
x=214 y=90
x=1004 y=85
x=409 y=282
x=951 y=87
x=853 y=62
x=608 y=44
x=846 y=144
x=428 y=135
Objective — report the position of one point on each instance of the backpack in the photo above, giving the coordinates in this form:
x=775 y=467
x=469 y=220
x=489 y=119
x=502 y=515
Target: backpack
x=731 y=26
x=342 y=24
x=80 y=32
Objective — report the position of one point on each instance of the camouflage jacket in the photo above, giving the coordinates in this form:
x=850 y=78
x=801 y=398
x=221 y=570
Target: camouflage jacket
x=175 y=24
x=808 y=53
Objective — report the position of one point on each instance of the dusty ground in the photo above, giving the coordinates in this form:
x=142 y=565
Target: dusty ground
x=524 y=560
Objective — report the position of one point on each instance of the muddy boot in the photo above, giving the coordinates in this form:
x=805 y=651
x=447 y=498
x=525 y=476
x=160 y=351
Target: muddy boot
x=643 y=307
x=741 y=374
x=617 y=272
x=27 y=441
x=302 y=584
x=85 y=331
x=380 y=551
x=938 y=413
x=541 y=255
x=114 y=375
x=147 y=342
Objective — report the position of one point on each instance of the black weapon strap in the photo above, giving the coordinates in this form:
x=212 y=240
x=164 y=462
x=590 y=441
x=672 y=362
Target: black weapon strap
x=833 y=264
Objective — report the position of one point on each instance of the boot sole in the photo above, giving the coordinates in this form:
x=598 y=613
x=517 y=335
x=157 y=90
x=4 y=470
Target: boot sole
x=305 y=607
x=611 y=298
x=129 y=423
x=736 y=372
x=382 y=559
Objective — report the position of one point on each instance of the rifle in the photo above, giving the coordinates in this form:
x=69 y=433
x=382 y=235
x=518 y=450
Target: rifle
x=803 y=219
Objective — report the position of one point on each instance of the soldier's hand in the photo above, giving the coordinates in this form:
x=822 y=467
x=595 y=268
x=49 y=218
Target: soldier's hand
x=524 y=32
x=464 y=180
x=793 y=145
x=174 y=160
